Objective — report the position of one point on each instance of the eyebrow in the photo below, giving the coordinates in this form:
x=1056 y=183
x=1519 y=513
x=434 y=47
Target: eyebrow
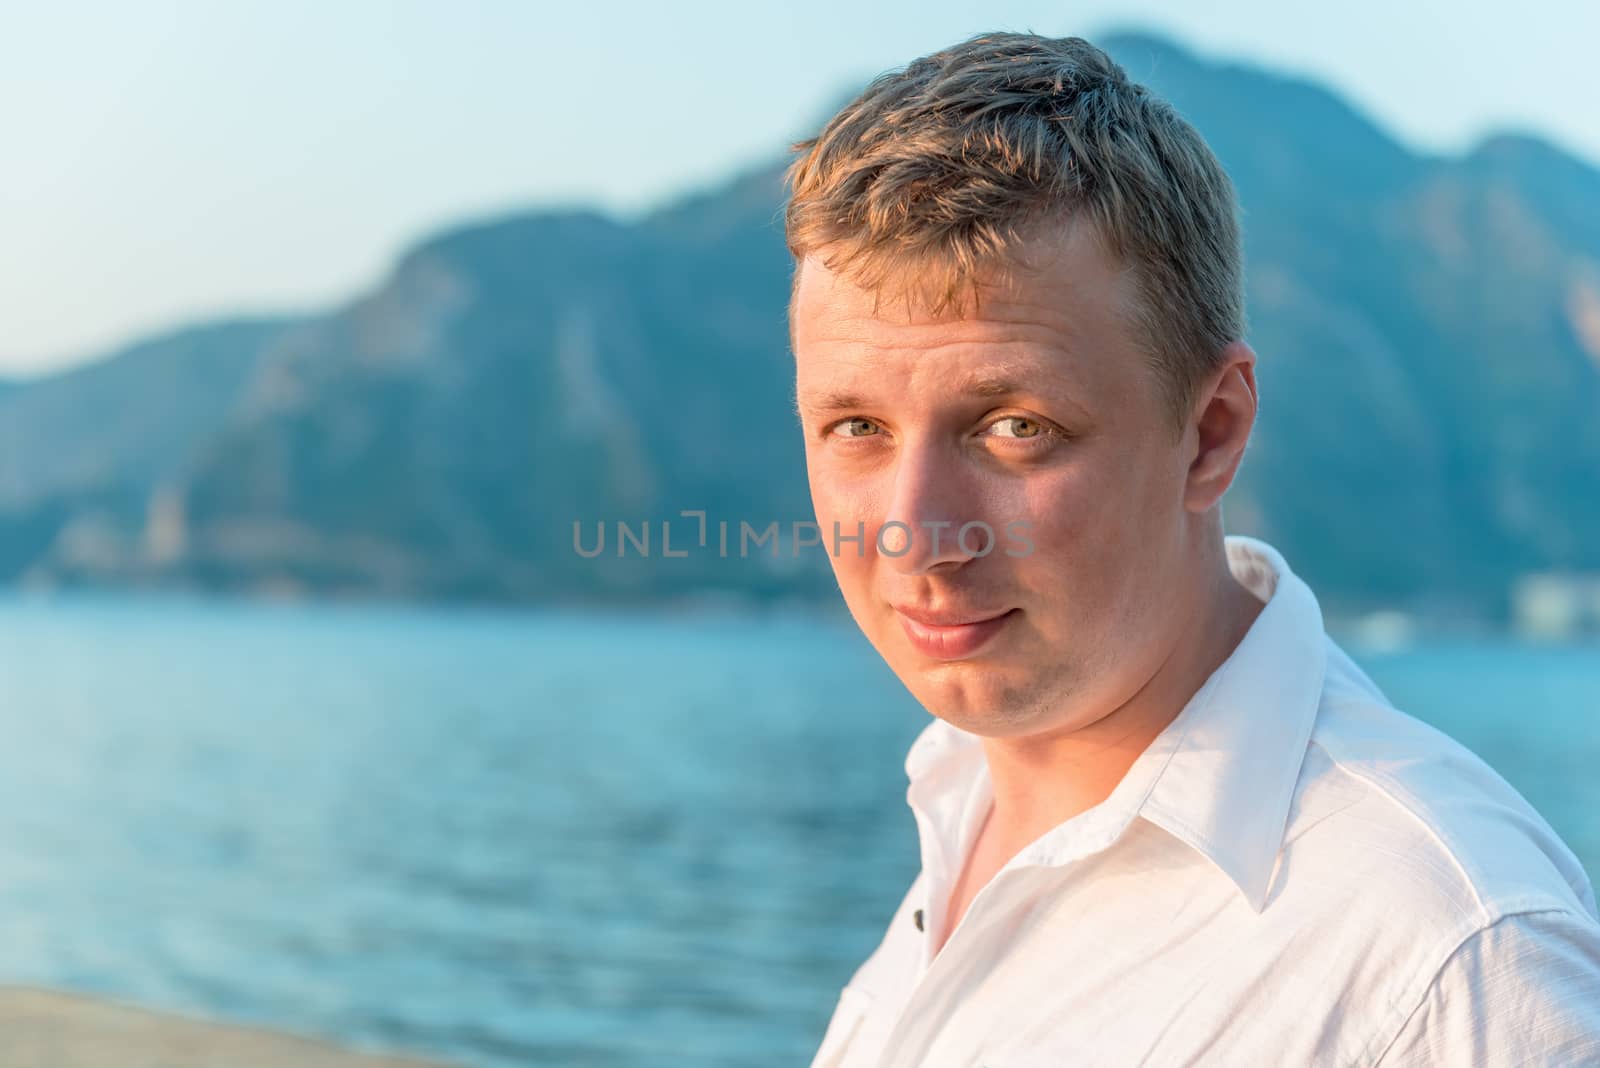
x=983 y=385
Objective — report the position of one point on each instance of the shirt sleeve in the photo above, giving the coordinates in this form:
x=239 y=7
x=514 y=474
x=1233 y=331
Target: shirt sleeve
x=1524 y=990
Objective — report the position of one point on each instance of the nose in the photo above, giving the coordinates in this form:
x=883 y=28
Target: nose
x=929 y=503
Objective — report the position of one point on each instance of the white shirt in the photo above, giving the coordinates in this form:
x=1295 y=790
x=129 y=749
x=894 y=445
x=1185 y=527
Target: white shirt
x=1292 y=873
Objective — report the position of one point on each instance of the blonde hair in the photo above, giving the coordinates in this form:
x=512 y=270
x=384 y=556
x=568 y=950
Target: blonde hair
x=937 y=172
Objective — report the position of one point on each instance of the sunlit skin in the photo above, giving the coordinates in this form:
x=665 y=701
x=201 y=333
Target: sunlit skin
x=1124 y=606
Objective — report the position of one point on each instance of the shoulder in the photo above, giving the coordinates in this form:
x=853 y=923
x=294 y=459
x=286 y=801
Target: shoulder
x=1525 y=989
x=1426 y=859
x=1392 y=782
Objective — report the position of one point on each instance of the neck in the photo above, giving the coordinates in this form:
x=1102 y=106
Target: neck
x=1043 y=780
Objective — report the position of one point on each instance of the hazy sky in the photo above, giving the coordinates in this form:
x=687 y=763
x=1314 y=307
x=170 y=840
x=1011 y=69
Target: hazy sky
x=162 y=162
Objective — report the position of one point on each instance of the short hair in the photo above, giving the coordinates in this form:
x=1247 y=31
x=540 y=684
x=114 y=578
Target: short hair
x=937 y=171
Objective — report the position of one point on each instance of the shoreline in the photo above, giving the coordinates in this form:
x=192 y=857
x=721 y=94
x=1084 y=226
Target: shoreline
x=50 y=1028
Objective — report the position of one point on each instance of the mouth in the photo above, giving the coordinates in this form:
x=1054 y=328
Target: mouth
x=952 y=640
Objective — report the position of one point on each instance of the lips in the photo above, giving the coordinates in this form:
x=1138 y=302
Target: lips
x=951 y=636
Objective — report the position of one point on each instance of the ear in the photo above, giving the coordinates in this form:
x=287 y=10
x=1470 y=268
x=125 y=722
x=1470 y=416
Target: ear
x=1225 y=413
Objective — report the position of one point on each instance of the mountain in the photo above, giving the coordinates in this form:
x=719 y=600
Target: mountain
x=1429 y=333
x=1430 y=419
x=81 y=452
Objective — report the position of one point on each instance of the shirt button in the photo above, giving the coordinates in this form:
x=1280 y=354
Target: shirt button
x=916 y=918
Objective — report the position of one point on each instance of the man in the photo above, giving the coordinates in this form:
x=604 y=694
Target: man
x=1164 y=819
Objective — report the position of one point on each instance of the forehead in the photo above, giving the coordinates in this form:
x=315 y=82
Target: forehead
x=1061 y=316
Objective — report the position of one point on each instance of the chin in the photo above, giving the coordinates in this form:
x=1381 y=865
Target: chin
x=965 y=690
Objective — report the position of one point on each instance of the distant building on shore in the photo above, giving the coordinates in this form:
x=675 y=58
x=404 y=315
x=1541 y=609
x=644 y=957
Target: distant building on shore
x=1555 y=606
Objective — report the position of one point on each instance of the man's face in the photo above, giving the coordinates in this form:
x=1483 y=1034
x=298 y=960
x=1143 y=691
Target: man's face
x=1035 y=414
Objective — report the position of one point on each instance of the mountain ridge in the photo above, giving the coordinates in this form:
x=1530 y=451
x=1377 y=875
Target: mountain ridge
x=1428 y=326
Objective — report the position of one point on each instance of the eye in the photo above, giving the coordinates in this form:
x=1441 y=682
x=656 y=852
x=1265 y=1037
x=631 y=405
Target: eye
x=1022 y=428
x=855 y=427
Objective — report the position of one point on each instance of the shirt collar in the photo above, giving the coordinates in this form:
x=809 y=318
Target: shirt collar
x=1220 y=777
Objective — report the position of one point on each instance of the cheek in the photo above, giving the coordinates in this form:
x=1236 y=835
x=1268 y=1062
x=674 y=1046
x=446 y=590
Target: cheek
x=1100 y=503
x=1064 y=514
x=834 y=495
x=837 y=504
x=1084 y=523
x=846 y=501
